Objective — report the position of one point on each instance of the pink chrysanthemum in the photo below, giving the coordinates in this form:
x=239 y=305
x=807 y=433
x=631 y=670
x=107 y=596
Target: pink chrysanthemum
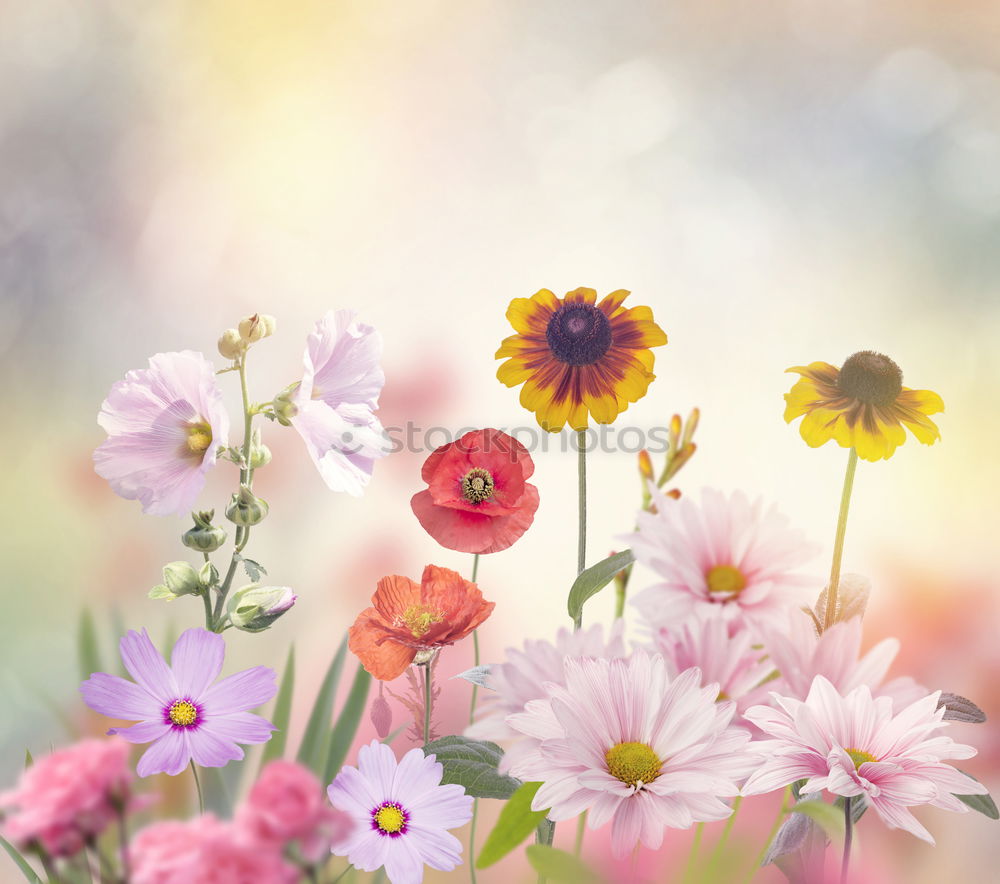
x=800 y=654
x=523 y=675
x=333 y=406
x=179 y=710
x=625 y=742
x=854 y=745
x=402 y=811
x=164 y=425
x=726 y=554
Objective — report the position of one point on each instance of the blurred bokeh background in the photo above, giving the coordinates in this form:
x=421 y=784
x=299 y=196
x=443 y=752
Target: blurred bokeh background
x=781 y=182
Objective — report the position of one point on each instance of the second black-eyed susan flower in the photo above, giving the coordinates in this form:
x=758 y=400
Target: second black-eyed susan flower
x=578 y=358
x=862 y=405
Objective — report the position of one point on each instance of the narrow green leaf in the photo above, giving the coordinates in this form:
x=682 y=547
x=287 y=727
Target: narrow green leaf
x=517 y=821
x=829 y=818
x=88 y=653
x=26 y=870
x=28 y=760
x=388 y=740
x=275 y=747
x=983 y=804
x=346 y=727
x=558 y=865
x=473 y=765
x=594 y=579
x=316 y=739
x=215 y=790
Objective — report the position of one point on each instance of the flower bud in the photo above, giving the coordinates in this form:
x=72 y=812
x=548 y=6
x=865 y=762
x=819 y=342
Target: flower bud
x=257 y=326
x=645 y=465
x=230 y=344
x=179 y=578
x=260 y=454
x=204 y=536
x=254 y=608
x=208 y=575
x=246 y=509
x=284 y=408
x=381 y=715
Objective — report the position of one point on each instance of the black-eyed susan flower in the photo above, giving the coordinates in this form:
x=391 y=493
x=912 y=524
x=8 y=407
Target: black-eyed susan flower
x=577 y=357
x=862 y=405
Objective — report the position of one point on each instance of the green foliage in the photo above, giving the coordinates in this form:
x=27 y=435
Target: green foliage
x=20 y=862
x=473 y=765
x=347 y=724
x=517 y=822
x=594 y=579
x=87 y=650
x=275 y=747
x=314 y=748
x=560 y=866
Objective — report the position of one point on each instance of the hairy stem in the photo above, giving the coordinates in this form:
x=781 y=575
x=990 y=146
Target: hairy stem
x=838 y=543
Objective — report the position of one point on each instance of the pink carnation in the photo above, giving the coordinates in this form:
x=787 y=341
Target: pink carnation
x=68 y=796
x=287 y=803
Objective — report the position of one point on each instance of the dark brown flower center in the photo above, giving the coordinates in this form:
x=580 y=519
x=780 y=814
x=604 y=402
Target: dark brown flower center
x=578 y=334
x=477 y=485
x=870 y=377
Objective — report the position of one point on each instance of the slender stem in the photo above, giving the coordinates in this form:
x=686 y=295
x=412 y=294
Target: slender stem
x=47 y=865
x=427 y=702
x=581 y=547
x=341 y=875
x=472 y=842
x=123 y=846
x=838 y=543
x=720 y=845
x=693 y=854
x=770 y=835
x=475 y=648
x=581 y=830
x=197 y=782
x=848 y=837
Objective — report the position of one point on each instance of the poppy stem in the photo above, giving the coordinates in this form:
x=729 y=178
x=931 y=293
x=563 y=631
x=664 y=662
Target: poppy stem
x=197 y=783
x=838 y=543
x=427 y=702
x=475 y=649
x=848 y=837
x=581 y=549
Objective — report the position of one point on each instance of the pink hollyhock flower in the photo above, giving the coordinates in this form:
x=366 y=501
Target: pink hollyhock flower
x=403 y=814
x=69 y=796
x=523 y=675
x=478 y=499
x=726 y=555
x=164 y=425
x=286 y=804
x=800 y=654
x=332 y=408
x=855 y=745
x=205 y=851
x=179 y=710
x=628 y=744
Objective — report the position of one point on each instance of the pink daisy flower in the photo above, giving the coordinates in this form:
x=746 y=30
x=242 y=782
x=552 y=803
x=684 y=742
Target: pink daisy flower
x=727 y=555
x=800 y=654
x=333 y=406
x=855 y=745
x=630 y=745
x=402 y=812
x=523 y=675
x=164 y=425
x=179 y=709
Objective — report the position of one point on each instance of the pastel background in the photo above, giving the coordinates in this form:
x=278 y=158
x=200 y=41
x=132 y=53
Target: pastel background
x=781 y=182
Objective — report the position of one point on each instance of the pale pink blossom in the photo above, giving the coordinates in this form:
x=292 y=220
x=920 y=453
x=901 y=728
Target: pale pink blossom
x=632 y=746
x=164 y=425
x=855 y=745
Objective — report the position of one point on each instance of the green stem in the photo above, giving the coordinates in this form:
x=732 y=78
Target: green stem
x=720 y=845
x=341 y=875
x=581 y=829
x=581 y=547
x=770 y=835
x=475 y=649
x=427 y=702
x=197 y=782
x=123 y=846
x=848 y=836
x=693 y=854
x=838 y=543
x=472 y=842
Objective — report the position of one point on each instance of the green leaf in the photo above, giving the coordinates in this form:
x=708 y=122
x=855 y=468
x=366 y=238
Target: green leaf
x=316 y=739
x=392 y=736
x=829 y=818
x=275 y=747
x=594 y=579
x=983 y=804
x=254 y=569
x=473 y=765
x=215 y=790
x=28 y=760
x=26 y=870
x=86 y=646
x=346 y=727
x=516 y=822
x=558 y=865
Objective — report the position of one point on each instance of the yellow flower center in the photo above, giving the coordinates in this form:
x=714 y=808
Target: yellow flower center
x=418 y=619
x=725 y=578
x=859 y=757
x=477 y=485
x=633 y=763
x=199 y=437
x=183 y=713
x=390 y=818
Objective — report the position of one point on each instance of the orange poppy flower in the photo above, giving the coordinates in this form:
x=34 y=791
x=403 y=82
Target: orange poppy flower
x=407 y=618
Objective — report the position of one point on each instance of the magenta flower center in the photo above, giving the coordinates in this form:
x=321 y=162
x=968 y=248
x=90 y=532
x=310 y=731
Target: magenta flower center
x=390 y=818
x=182 y=714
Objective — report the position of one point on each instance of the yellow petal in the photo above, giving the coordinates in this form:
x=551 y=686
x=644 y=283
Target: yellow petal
x=580 y=295
x=513 y=372
x=532 y=314
x=610 y=304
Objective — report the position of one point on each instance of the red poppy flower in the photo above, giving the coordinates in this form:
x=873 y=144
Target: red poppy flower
x=409 y=617
x=478 y=500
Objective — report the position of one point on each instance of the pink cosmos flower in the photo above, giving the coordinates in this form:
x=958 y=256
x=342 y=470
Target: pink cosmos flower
x=179 y=710
x=164 y=425
x=523 y=675
x=402 y=812
x=726 y=555
x=625 y=742
x=286 y=804
x=69 y=796
x=333 y=406
x=800 y=654
x=855 y=745
x=205 y=851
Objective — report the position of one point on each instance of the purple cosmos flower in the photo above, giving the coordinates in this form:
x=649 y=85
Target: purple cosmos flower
x=164 y=425
x=332 y=408
x=402 y=812
x=179 y=710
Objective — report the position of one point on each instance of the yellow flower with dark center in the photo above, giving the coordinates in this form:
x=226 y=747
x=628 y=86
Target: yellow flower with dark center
x=862 y=405
x=576 y=357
